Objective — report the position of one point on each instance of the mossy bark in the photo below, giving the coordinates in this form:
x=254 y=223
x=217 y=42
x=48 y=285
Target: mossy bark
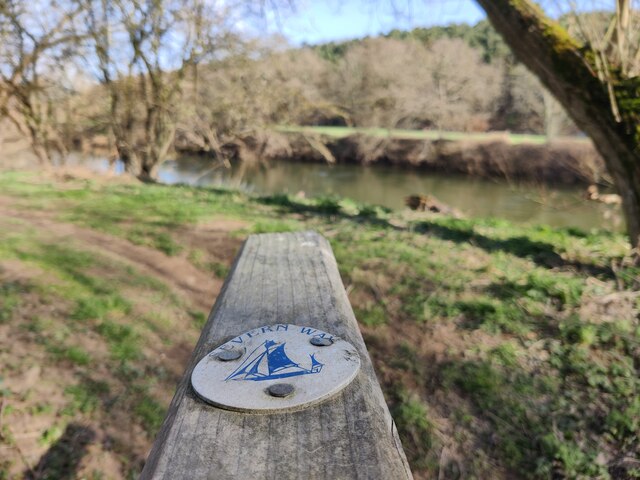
x=568 y=70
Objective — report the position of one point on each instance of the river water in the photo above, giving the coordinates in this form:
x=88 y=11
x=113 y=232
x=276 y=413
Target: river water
x=556 y=206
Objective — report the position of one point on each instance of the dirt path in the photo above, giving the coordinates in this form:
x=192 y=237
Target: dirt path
x=110 y=440
x=198 y=287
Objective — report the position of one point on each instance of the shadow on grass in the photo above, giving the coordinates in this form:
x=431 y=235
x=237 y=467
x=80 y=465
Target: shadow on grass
x=459 y=231
x=542 y=253
x=63 y=459
x=329 y=207
x=534 y=423
x=514 y=429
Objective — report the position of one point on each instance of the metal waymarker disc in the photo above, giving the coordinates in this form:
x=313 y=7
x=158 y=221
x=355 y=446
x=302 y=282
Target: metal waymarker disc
x=275 y=355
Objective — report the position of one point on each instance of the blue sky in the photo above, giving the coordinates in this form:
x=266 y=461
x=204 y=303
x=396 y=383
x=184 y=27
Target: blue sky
x=319 y=21
x=322 y=21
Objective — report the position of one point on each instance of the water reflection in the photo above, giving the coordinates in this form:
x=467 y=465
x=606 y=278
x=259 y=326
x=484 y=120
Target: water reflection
x=530 y=204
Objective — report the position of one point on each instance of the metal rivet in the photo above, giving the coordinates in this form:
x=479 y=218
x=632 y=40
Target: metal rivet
x=321 y=341
x=228 y=355
x=280 y=390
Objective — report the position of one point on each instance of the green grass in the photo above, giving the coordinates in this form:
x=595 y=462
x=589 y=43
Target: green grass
x=80 y=293
x=151 y=413
x=145 y=215
x=10 y=295
x=371 y=315
x=341 y=132
x=123 y=341
x=74 y=354
x=524 y=286
x=535 y=384
x=553 y=422
x=92 y=308
x=85 y=397
x=411 y=417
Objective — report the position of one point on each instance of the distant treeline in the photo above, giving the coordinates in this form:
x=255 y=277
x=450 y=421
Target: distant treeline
x=457 y=78
x=217 y=92
x=461 y=60
x=144 y=79
x=481 y=36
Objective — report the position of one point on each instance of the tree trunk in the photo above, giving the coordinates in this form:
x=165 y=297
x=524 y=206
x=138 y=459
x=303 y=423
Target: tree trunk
x=42 y=153
x=130 y=159
x=139 y=164
x=605 y=109
x=149 y=173
x=28 y=126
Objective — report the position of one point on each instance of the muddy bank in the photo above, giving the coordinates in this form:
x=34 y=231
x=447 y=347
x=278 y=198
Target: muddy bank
x=563 y=161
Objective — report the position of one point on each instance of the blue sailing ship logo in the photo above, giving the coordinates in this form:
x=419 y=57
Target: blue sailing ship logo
x=269 y=361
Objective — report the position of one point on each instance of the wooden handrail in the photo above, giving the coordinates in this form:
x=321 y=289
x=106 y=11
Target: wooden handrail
x=286 y=278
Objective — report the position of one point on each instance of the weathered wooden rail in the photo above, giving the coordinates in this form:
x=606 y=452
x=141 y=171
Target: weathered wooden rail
x=289 y=278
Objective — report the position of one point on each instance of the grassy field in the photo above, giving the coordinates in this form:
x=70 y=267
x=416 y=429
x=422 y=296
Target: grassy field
x=340 y=132
x=517 y=351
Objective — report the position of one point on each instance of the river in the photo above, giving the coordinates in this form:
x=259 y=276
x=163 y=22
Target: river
x=556 y=206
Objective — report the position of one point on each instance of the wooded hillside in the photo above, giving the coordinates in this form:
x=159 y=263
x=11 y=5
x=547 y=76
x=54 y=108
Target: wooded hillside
x=457 y=78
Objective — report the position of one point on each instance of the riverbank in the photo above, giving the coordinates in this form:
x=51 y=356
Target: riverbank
x=519 y=344
x=492 y=155
x=497 y=155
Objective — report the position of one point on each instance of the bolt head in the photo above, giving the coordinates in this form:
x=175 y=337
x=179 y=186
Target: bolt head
x=280 y=390
x=228 y=355
x=321 y=341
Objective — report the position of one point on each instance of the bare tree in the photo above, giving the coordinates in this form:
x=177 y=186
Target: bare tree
x=36 y=43
x=595 y=87
x=463 y=85
x=404 y=83
x=526 y=106
x=143 y=50
x=241 y=97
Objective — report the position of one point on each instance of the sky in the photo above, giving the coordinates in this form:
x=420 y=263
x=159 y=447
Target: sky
x=320 y=21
